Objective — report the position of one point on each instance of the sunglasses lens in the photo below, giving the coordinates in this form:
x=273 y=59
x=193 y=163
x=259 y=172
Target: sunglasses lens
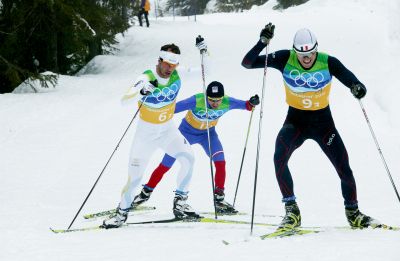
x=308 y=55
x=214 y=99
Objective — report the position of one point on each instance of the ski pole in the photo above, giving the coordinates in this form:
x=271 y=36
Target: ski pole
x=207 y=124
x=259 y=139
x=379 y=149
x=244 y=153
x=109 y=159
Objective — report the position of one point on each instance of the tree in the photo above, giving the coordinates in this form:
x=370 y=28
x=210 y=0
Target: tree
x=284 y=4
x=187 y=7
x=55 y=35
x=237 y=5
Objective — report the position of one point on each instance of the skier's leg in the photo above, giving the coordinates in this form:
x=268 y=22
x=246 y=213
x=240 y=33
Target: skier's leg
x=142 y=147
x=167 y=162
x=288 y=140
x=159 y=172
x=332 y=145
x=218 y=157
x=141 y=150
x=179 y=148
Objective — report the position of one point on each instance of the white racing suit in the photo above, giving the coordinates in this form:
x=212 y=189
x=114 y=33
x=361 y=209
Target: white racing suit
x=156 y=129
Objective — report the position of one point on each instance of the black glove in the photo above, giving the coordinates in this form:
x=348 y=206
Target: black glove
x=267 y=33
x=201 y=44
x=149 y=87
x=254 y=100
x=358 y=90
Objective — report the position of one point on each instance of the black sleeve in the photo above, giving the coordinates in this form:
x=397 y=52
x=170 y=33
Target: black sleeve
x=344 y=75
x=253 y=59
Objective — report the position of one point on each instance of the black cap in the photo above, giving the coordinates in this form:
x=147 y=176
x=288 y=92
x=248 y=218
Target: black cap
x=215 y=90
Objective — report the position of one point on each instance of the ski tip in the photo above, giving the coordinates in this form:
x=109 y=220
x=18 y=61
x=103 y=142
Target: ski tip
x=385 y=227
x=56 y=231
x=225 y=242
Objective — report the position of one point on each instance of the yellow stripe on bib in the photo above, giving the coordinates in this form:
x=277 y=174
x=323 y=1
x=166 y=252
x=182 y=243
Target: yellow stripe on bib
x=308 y=100
x=157 y=115
x=198 y=124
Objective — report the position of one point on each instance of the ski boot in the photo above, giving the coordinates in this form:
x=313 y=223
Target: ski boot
x=292 y=219
x=357 y=219
x=223 y=207
x=182 y=210
x=142 y=197
x=117 y=219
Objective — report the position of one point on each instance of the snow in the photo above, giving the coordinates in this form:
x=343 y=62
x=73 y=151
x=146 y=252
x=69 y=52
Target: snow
x=55 y=143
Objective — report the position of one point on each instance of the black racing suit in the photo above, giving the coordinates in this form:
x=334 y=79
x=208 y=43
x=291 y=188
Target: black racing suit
x=301 y=125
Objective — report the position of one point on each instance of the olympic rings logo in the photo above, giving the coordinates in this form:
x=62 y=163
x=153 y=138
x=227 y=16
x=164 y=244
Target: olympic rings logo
x=212 y=114
x=312 y=80
x=167 y=93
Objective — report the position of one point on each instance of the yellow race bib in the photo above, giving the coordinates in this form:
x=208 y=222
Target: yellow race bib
x=198 y=124
x=157 y=115
x=308 y=100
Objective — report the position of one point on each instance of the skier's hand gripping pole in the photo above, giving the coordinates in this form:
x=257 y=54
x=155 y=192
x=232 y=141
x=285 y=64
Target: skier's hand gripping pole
x=108 y=161
x=202 y=46
x=265 y=36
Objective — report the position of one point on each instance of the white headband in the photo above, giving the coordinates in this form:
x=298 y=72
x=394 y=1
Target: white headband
x=169 y=57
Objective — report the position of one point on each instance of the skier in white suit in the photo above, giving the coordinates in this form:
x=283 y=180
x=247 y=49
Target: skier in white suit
x=156 y=129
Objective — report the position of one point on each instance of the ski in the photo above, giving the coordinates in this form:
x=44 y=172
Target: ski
x=112 y=211
x=284 y=232
x=162 y=221
x=57 y=231
x=374 y=226
x=224 y=213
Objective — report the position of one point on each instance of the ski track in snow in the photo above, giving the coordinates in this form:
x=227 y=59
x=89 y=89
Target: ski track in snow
x=55 y=143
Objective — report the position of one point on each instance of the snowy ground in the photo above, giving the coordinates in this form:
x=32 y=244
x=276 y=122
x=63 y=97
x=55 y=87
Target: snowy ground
x=55 y=143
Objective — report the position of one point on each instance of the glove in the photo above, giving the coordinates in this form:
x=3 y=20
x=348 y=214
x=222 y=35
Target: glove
x=267 y=33
x=358 y=90
x=201 y=44
x=149 y=87
x=254 y=100
x=146 y=87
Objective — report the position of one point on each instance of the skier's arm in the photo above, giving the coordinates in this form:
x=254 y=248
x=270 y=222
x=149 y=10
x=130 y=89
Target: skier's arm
x=237 y=104
x=345 y=76
x=276 y=60
x=185 y=104
x=141 y=86
x=244 y=105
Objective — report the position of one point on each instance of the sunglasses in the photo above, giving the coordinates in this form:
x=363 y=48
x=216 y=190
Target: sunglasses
x=214 y=99
x=172 y=66
x=305 y=54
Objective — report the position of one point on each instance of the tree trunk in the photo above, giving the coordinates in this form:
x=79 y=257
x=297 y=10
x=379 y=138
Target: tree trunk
x=52 y=44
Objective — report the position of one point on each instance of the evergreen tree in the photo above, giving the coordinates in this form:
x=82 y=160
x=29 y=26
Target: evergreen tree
x=55 y=35
x=284 y=4
x=240 y=5
x=187 y=7
x=237 y=5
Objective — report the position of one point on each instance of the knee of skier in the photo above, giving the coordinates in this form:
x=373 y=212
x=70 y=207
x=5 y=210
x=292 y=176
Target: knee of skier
x=218 y=156
x=185 y=158
x=168 y=161
x=279 y=153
